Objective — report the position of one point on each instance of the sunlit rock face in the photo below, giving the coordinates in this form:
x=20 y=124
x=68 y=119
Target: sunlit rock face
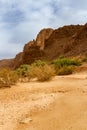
x=42 y=36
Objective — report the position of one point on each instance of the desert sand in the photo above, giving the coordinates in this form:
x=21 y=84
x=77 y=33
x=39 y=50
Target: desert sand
x=60 y=104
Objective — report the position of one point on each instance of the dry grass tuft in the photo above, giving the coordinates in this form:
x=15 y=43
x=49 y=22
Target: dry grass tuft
x=7 y=78
x=42 y=73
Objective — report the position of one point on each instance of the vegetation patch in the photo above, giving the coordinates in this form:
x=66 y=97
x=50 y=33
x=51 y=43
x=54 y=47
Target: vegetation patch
x=66 y=70
x=39 y=63
x=42 y=73
x=7 y=78
x=22 y=70
x=66 y=62
x=40 y=70
x=65 y=66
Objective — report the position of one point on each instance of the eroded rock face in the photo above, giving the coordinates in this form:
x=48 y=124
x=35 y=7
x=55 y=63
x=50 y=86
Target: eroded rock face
x=31 y=53
x=42 y=36
x=33 y=50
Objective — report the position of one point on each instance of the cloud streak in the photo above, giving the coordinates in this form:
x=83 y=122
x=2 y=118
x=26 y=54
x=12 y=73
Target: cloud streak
x=20 y=20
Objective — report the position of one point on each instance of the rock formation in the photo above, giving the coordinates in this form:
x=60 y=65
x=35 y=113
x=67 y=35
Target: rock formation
x=69 y=41
x=33 y=50
x=42 y=36
x=18 y=60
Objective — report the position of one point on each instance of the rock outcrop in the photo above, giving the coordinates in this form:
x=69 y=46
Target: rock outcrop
x=33 y=50
x=62 y=41
x=42 y=37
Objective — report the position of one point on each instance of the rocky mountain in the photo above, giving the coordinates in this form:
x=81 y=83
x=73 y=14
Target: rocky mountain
x=49 y=44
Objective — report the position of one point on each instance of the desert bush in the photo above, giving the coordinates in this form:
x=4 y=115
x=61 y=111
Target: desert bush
x=45 y=73
x=39 y=63
x=7 y=77
x=22 y=70
x=31 y=73
x=84 y=59
x=65 y=70
x=42 y=73
x=64 y=66
x=66 y=62
x=75 y=62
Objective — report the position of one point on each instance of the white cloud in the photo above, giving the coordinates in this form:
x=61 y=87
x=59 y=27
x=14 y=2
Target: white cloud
x=20 y=20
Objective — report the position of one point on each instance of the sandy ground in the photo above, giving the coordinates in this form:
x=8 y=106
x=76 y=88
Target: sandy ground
x=60 y=104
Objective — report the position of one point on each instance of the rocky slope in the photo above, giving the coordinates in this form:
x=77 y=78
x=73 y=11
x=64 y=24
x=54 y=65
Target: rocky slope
x=5 y=63
x=50 y=44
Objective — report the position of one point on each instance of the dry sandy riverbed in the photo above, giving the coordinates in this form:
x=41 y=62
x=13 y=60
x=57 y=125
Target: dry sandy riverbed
x=60 y=104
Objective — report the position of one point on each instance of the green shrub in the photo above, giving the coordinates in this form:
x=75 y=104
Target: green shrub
x=22 y=70
x=42 y=73
x=66 y=62
x=64 y=66
x=39 y=63
x=66 y=70
x=7 y=77
x=76 y=62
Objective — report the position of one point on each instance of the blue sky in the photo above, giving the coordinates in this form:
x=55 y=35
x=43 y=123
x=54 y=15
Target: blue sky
x=21 y=20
